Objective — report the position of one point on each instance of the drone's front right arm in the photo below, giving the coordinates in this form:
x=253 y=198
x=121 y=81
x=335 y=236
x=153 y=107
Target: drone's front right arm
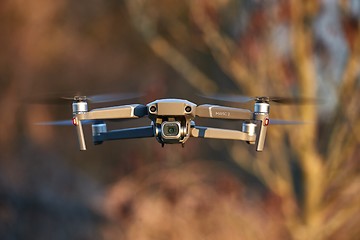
x=221 y=112
x=218 y=133
x=260 y=115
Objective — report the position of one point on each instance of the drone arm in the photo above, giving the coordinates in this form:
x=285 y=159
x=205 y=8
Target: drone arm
x=218 y=133
x=80 y=134
x=118 y=112
x=220 y=112
x=127 y=133
x=263 y=119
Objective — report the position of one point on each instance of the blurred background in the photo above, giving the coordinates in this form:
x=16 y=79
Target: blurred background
x=306 y=183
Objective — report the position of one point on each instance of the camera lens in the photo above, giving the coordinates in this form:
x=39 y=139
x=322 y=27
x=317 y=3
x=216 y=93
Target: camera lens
x=171 y=129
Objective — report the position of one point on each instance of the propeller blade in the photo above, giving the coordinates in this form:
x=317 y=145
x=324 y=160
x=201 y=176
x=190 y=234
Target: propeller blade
x=229 y=98
x=245 y=99
x=63 y=123
x=286 y=122
x=100 y=98
x=47 y=100
x=296 y=100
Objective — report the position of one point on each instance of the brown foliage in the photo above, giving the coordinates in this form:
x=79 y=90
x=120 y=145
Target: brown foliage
x=176 y=49
x=197 y=200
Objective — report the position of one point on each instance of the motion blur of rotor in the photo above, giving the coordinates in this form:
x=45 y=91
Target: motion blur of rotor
x=286 y=122
x=261 y=99
x=77 y=97
x=63 y=123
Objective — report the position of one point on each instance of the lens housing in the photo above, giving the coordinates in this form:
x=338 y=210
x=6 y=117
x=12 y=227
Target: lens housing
x=171 y=130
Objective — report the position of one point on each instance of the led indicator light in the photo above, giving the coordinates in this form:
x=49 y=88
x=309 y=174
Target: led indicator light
x=266 y=121
x=75 y=122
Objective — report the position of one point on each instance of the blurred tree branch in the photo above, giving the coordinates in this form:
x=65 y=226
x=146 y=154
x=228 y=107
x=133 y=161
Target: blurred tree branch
x=163 y=48
x=251 y=61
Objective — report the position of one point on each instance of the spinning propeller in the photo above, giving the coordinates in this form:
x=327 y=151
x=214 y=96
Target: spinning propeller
x=64 y=123
x=99 y=98
x=264 y=99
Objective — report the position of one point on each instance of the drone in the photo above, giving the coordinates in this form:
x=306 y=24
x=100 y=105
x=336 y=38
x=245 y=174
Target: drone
x=172 y=121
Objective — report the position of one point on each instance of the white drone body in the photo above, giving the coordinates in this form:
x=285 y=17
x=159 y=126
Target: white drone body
x=172 y=121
